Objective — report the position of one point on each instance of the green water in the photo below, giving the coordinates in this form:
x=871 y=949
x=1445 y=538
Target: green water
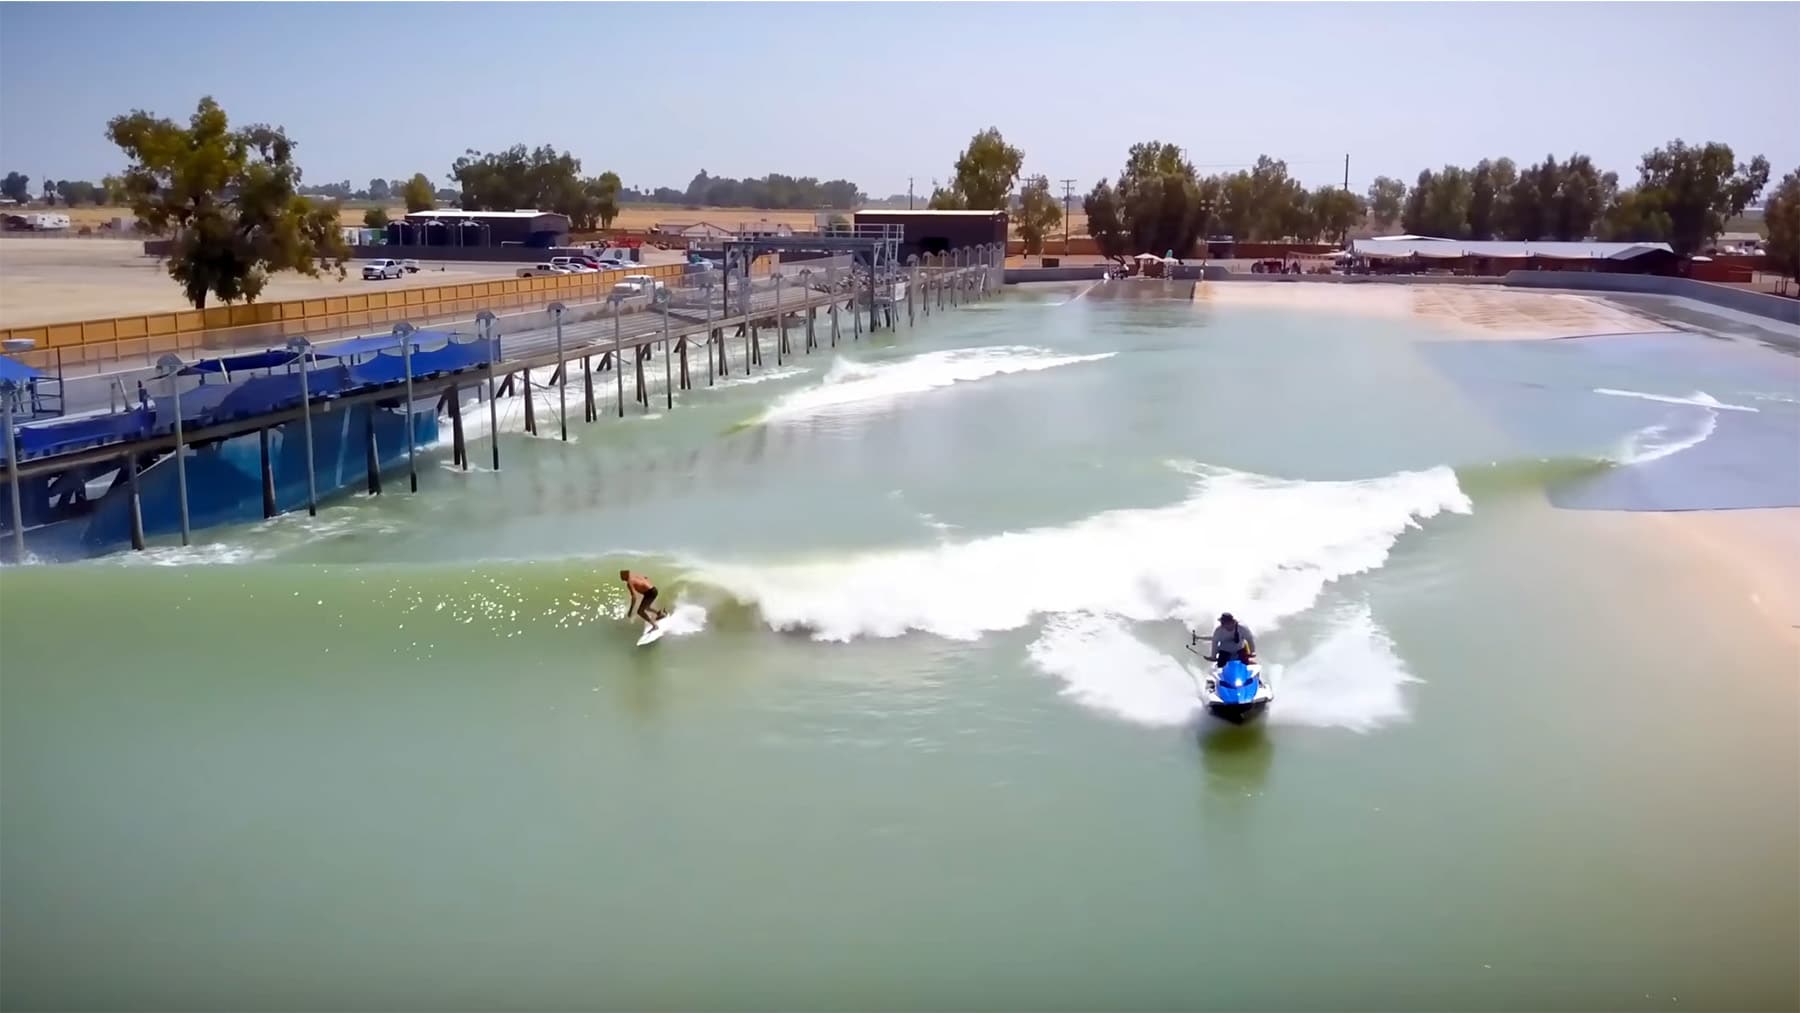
x=931 y=743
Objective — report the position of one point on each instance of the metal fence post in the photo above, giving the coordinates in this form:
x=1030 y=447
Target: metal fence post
x=303 y=348
x=170 y=366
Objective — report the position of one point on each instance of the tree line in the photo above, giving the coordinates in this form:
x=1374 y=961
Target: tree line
x=68 y=192
x=1684 y=195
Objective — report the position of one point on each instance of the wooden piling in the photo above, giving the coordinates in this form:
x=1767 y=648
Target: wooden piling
x=530 y=399
x=268 y=475
x=642 y=395
x=493 y=418
x=755 y=346
x=371 y=458
x=137 y=504
x=587 y=384
x=685 y=384
x=459 y=450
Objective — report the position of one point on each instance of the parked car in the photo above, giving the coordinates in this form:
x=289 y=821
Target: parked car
x=572 y=265
x=410 y=266
x=541 y=270
x=379 y=270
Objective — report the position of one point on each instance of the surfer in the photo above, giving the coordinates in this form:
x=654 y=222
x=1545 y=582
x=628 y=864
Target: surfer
x=1231 y=639
x=638 y=584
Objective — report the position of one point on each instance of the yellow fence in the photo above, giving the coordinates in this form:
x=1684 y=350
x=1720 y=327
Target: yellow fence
x=143 y=337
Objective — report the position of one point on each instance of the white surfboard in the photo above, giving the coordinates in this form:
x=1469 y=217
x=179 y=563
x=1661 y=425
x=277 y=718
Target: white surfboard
x=650 y=636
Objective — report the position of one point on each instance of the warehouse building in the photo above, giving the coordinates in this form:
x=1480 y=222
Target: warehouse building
x=455 y=227
x=940 y=231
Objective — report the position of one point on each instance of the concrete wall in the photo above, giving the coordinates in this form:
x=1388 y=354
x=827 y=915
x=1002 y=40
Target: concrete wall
x=1760 y=304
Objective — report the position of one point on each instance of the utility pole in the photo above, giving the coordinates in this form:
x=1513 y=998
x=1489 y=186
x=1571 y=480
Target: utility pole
x=1346 y=172
x=1068 y=194
x=909 y=195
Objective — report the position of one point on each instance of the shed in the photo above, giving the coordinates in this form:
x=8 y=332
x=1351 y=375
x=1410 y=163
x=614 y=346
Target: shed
x=933 y=231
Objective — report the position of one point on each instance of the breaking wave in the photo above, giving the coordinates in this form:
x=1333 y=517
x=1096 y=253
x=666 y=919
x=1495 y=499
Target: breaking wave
x=1262 y=545
x=849 y=384
x=1698 y=399
x=1653 y=443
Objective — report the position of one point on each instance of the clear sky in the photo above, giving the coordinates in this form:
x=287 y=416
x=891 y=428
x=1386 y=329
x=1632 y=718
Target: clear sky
x=879 y=92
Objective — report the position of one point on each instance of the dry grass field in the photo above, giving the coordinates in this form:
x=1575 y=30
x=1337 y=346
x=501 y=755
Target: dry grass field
x=631 y=216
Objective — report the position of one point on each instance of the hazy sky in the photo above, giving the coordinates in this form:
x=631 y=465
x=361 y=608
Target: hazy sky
x=879 y=92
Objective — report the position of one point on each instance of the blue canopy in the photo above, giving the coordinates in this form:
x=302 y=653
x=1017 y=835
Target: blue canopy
x=250 y=360
x=16 y=371
x=381 y=343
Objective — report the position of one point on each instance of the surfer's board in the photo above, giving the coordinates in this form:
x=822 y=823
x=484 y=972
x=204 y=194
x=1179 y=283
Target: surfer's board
x=650 y=636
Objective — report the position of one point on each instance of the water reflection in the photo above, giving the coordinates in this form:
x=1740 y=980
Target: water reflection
x=1237 y=758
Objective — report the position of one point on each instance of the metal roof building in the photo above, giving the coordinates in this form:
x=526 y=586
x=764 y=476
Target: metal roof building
x=455 y=227
x=931 y=231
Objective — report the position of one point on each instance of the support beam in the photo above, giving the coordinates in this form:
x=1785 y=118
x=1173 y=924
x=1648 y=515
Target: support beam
x=268 y=474
x=371 y=455
x=137 y=503
x=459 y=450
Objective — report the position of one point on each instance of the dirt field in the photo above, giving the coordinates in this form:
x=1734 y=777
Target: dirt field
x=51 y=280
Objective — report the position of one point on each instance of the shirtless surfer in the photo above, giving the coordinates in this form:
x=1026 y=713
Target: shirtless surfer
x=638 y=584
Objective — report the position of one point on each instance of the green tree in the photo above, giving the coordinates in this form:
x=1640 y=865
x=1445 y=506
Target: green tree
x=1038 y=214
x=78 y=191
x=603 y=191
x=230 y=199
x=1101 y=205
x=1159 y=199
x=1386 y=198
x=1490 y=190
x=50 y=192
x=1334 y=211
x=1699 y=188
x=16 y=186
x=418 y=194
x=1583 y=194
x=113 y=189
x=1634 y=217
x=1782 y=216
x=1438 y=204
x=375 y=218
x=378 y=190
x=984 y=174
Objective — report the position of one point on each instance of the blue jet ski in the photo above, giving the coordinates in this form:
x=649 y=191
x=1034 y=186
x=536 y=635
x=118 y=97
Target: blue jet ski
x=1235 y=692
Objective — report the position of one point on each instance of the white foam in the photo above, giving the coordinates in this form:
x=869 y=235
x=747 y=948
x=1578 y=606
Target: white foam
x=1351 y=679
x=1258 y=545
x=855 y=385
x=745 y=381
x=1104 y=667
x=1698 y=399
x=1653 y=443
x=684 y=620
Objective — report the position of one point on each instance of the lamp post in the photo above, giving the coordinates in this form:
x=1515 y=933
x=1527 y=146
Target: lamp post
x=303 y=348
x=404 y=332
x=486 y=320
x=562 y=371
x=617 y=299
x=9 y=392
x=170 y=365
x=662 y=299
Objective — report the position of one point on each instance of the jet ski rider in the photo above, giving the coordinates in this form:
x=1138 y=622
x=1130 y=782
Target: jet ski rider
x=1231 y=639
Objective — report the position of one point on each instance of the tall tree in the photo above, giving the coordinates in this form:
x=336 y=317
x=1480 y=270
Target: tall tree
x=984 y=174
x=78 y=191
x=50 y=192
x=604 y=191
x=1439 y=203
x=1160 y=199
x=1334 y=212
x=16 y=186
x=378 y=190
x=1490 y=185
x=375 y=218
x=418 y=194
x=113 y=188
x=1386 y=198
x=1038 y=214
x=1104 y=224
x=230 y=198
x=1583 y=194
x=1699 y=188
x=1782 y=216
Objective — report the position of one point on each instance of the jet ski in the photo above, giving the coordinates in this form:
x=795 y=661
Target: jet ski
x=1235 y=692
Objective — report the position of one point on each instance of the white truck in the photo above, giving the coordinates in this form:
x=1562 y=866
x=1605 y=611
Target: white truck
x=379 y=270
x=541 y=271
